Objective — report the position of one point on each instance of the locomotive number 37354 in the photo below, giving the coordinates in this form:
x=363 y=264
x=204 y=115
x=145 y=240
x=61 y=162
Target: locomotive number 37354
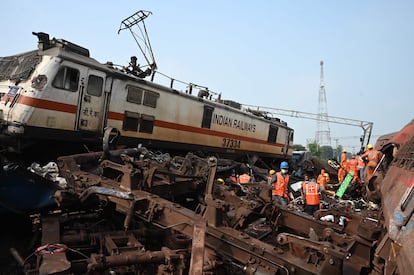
x=231 y=143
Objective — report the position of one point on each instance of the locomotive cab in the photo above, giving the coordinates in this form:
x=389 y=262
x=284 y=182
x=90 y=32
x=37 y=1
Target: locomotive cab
x=52 y=93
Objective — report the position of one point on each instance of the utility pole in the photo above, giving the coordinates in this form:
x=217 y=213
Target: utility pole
x=322 y=135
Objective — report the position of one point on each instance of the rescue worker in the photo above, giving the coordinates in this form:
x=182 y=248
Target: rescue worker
x=280 y=186
x=321 y=178
x=361 y=168
x=245 y=178
x=328 y=179
x=134 y=67
x=344 y=157
x=311 y=194
x=353 y=166
x=271 y=178
x=341 y=174
x=372 y=157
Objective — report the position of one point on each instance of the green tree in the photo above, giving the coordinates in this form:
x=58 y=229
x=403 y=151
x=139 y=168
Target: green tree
x=326 y=152
x=337 y=152
x=299 y=147
x=314 y=149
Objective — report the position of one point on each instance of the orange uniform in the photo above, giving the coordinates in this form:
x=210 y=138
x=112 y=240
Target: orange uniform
x=280 y=186
x=312 y=193
x=344 y=158
x=373 y=156
x=321 y=178
x=244 y=178
x=341 y=174
x=353 y=166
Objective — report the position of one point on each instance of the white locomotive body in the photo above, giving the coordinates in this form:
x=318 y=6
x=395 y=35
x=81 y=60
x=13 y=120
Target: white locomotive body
x=59 y=93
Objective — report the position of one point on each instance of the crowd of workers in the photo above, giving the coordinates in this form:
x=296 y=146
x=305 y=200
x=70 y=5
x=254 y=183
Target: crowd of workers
x=363 y=165
x=313 y=190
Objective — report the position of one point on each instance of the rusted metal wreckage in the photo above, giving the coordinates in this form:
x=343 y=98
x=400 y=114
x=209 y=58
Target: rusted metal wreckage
x=132 y=211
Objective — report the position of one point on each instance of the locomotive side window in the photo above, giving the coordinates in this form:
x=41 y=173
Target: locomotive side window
x=134 y=95
x=272 y=134
x=207 y=116
x=150 y=99
x=67 y=79
x=131 y=120
x=140 y=96
x=95 y=84
x=147 y=124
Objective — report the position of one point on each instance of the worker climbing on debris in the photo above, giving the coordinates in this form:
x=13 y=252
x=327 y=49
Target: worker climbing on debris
x=280 y=190
x=361 y=167
x=341 y=173
x=372 y=157
x=353 y=166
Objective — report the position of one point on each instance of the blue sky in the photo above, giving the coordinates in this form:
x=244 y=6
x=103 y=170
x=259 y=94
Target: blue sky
x=264 y=52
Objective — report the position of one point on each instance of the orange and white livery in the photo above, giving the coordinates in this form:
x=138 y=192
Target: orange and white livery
x=59 y=92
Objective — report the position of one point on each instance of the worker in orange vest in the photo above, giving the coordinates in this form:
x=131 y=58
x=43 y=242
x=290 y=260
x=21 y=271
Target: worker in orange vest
x=311 y=193
x=373 y=157
x=280 y=186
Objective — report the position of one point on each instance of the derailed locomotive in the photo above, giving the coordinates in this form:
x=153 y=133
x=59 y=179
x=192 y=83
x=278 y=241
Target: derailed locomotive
x=60 y=93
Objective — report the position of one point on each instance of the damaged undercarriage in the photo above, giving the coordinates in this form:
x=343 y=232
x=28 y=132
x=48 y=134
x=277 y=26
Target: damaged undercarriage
x=131 y=211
